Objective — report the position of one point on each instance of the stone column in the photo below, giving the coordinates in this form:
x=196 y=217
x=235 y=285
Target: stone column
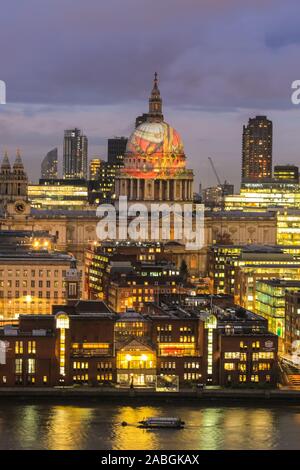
x=184 y=190
x=168 y=190
x=181 y=190
x=127 y=188
x=131 y=190
x=160 y=189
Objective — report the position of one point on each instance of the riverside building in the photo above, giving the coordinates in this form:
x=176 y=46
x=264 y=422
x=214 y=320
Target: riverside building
x=165 y=347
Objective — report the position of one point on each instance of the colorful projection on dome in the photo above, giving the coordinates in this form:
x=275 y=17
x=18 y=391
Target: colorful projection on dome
x=154 y=150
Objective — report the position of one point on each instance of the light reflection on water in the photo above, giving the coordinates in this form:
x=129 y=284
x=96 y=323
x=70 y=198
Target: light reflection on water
x=98 y=426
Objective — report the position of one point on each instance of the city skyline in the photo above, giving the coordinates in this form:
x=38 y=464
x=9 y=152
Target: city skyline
x=149 y=228
x=211 y=85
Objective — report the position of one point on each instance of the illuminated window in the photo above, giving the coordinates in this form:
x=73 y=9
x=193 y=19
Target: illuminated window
x=31 y=366
x=265 y=355
x=62 y=321
x=264 y=366
x=31 y=347
x=19 y=366
x=231 y=355
x=19 y=347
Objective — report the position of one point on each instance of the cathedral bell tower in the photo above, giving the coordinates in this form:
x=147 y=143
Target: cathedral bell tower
x=14 y=187
x=155 y=103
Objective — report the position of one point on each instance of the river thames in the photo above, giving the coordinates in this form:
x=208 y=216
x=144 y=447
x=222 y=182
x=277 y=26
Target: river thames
x=98 y=426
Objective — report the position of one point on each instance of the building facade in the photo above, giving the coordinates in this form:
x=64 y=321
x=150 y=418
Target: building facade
x=32 y=274
x=224 y=260
x=292 y=321
x=247 y=276
x=288 y=227
x=213 y=197
x=13 y=182
x=286 y=173
x=49 y=165
x=102 y=188
x=165 y=347
x=95 y=166
x=262 y=196
x=116 y=149
x=270 y=302
x=75 y=155
x=56 y=194
x=257 y=149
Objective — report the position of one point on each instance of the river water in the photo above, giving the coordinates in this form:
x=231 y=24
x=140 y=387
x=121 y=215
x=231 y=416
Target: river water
x=97 y=426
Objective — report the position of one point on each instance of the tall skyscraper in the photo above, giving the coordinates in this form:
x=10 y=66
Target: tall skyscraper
x=116 y=149
x=257 y=149
x=75 y=155
x=49 y=165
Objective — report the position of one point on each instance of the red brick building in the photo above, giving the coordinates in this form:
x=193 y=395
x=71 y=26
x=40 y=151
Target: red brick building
x=86 y=343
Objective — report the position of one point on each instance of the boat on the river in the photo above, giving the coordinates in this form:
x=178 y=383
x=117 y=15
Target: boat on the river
x=161 y=422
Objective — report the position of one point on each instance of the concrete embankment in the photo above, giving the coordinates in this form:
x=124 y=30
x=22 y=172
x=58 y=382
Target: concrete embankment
x=222 y=395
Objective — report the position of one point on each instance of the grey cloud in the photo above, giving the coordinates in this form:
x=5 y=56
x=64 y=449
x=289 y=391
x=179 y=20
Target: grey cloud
x=91 y=52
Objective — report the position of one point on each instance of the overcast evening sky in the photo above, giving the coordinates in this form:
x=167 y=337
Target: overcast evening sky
x=90 y=64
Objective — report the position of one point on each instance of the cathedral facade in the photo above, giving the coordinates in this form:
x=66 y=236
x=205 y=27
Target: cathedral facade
x=155 y=163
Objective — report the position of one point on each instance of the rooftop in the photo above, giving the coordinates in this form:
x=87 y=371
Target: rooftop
x=35 y=256
x=64 y=213
x=85 y=308
x=280 y=282
x=24 y=234
x=236 y=313
x=239 y=214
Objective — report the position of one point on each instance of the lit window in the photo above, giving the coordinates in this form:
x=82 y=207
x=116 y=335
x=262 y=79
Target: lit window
x=18 y=366
x=19 y=347
x=31 y=366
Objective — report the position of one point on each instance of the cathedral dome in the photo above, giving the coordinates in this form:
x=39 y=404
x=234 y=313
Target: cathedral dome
x=155 y=139
x=154 y=147
x=154 y=163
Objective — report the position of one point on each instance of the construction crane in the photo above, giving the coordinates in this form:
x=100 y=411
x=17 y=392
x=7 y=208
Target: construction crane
x=215 y=171
x=222 y=186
